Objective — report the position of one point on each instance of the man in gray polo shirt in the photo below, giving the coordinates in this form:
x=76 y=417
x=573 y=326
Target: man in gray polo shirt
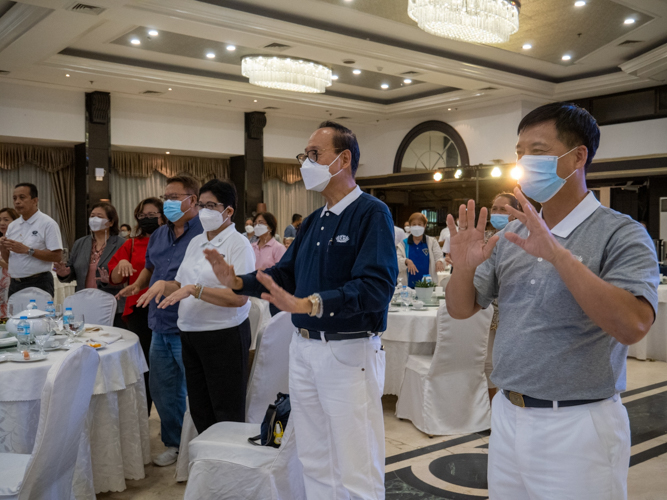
x=576 y=284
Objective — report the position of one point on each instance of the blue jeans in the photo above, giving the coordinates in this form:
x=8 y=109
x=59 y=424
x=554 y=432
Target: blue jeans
x=167 y=384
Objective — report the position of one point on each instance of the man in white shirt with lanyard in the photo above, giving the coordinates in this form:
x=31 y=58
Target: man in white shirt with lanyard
x=32 y=243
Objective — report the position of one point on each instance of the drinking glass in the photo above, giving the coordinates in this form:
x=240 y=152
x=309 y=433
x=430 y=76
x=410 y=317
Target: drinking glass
x=10 y=310
x=77 y=323
x=41 y=340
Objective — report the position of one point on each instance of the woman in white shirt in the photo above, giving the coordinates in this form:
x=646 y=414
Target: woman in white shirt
x=215 y=331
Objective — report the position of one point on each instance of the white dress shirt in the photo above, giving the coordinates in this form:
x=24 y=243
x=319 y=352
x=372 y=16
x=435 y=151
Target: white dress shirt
x=196 y=315
x=39 y=232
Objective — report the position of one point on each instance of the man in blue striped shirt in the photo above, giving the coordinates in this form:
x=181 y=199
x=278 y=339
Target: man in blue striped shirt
x=337 y=279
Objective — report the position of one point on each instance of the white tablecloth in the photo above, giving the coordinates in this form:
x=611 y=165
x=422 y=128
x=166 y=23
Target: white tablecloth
x=115 y=443
x=412 y=332
x=654 y=345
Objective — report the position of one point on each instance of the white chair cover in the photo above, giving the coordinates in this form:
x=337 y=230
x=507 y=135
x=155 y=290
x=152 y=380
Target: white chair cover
x=259 y=316
x=47 y=473
x=270 y=370
x=188 y=433
x=447 y=393
x=97 y=306
x=225 y=466
x=21 y=299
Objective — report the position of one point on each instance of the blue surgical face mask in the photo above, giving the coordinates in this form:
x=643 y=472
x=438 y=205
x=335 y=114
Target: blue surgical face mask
x=499 y=221
x=540 y=179
x=172 y=210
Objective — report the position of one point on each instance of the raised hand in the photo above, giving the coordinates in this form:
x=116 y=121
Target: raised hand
x=540 y=241
x=155 y=292
x=282 y=299
x=223 y=271
x=61 y=269
x=180 y=294
x=467 y=247
x=128 y=291
x=104 y=275
x=125 y=268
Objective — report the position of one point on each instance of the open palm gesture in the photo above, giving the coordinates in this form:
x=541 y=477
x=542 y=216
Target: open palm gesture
x=467 y=247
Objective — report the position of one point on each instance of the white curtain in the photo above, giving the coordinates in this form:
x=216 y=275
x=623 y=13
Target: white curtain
x=33 y=175
x=127 y=192
x=283 y=200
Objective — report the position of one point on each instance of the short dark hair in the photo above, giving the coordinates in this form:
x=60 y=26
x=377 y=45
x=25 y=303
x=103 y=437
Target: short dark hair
x=296 y=217
x=575 y=125
x=225 y=192
x=140 y=208
x=270 y=220
x=344 y=139
x=112 y=215
x=514 y=203
x=129 y=228
x=190 y=184
x=33 y=188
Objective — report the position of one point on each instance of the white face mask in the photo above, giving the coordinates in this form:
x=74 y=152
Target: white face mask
x=416 y=231
x=211 y=219
x=124 y=234
x=97 y=223
x=261 y=229
x=316 y=177
x=406 y=229
x=249 y=229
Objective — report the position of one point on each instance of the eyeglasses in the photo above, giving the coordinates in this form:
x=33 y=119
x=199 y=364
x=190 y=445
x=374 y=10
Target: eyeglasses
x=149 y=215
x=313 y=154
x=210 y=205
x=174 y=196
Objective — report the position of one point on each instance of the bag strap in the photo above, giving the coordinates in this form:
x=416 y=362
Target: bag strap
x=253 y=440
x=407 y=248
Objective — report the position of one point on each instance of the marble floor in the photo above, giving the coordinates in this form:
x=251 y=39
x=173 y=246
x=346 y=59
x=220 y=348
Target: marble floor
x=419 y=467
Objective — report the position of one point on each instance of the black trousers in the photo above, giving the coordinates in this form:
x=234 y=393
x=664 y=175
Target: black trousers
x=216 y=364
x=43 y=281
x=137 y=323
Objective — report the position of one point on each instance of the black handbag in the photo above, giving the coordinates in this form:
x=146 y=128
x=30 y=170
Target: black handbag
x=274 y=423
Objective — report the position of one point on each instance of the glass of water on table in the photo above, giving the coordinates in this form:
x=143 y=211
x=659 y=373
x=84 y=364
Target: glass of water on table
x=75 y=326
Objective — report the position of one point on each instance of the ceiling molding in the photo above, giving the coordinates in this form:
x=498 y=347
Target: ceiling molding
x=599 y=85
x=18 y=20
x=651 y=65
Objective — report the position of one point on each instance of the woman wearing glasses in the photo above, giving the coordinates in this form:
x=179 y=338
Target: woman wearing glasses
x=125 y=267
x=213 y=320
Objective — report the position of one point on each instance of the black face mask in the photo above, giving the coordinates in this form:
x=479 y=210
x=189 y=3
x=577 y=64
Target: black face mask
x=148 y=224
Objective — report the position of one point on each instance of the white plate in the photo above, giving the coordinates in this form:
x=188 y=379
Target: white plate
x=419 y=308
x=394 y=309
x=18 y=357
x=8 y=342
x=3 y=357
x=89 y=342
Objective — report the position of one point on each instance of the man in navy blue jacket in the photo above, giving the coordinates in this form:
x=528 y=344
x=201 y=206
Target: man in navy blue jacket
x=337 y=279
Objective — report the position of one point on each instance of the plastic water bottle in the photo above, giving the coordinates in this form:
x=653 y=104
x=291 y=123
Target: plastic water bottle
x=67 y=317
x=50 y=310
x=32 y=304
x=405 y=297
x=23 y=335
x=427 y=278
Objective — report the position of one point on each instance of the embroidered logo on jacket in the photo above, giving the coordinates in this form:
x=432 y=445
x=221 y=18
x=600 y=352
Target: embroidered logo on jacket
x=342 y=238
x=34 y=233
x=425 y=250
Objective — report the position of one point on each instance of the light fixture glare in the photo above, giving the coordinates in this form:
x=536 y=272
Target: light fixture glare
x=210 y=55
x=527 y=46
x=437 y=177
x=458 y=173
x=153 y=33
x=630 y=20
x=135 y=41
x=516 y=173
x=356 y=71
x=407 y=80
x=566 y=57
x=384 y=86
x=231 y=48
x=495 y=172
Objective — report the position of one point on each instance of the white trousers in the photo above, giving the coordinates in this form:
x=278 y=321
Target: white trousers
x=335 y=393
x=575 y=453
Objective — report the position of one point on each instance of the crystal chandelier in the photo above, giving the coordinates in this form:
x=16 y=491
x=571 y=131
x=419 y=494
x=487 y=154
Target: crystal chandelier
x=478 y=21
x=297 y=75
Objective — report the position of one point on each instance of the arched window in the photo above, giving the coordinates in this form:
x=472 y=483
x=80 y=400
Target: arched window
x=431 y=145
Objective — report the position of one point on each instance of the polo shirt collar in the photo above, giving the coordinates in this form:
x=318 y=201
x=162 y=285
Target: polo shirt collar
x=220 y=238
x=338 y=208
x=579 y=214
x=32 y=219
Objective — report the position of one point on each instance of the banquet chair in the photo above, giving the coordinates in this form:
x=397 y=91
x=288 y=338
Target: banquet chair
x=21 y=299
x=259 y=316
x=447 y=393
x=270 y=370
x=47 y=473
x=225 y=466
x=188 y=433
x=98 y=307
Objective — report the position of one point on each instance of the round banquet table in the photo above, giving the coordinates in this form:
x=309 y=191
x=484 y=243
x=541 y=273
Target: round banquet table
x=115 y=443
x=410 y=332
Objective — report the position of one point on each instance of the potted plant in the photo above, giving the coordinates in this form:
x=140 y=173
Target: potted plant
x=424 y=289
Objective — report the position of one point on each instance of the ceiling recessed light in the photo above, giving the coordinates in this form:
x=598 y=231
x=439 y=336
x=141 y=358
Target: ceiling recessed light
x=527 y=46
x=153 y=33
x=67 y=75
x=384 y=86
x=579 y=3
x=135 y=41
x=255 y=100
x=407 y=80
x=169 y=88
x=334 y=77
x=210 y=55
x=449 y=109
x=167 y=152
x=629 y=20
x=566 y=57
x=437 y=177
x=231 y=48
x=356 y=71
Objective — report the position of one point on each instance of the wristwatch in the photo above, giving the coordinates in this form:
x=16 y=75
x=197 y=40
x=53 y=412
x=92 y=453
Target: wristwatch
x=31 y=252
x=198 y=289
x=316 y=301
